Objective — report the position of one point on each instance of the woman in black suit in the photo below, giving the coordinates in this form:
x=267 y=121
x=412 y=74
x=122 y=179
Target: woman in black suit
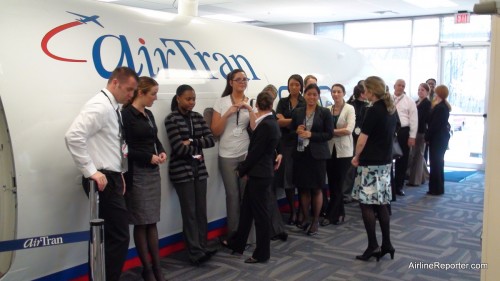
x=258 y=170
x=438 y=136
x=313 y=127
x=417 y=166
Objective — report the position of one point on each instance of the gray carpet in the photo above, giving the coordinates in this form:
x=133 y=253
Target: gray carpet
x=424 y=230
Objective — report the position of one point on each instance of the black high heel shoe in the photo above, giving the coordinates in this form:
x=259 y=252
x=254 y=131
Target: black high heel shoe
x=390 y=251
x=147 y=274
x=315 y=232
x=339 y=221
x=370 y=253
x=283 y=236
x=306 y=226
x=292 y=220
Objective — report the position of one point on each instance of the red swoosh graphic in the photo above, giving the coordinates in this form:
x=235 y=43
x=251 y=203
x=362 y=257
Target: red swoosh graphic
x=51 y=34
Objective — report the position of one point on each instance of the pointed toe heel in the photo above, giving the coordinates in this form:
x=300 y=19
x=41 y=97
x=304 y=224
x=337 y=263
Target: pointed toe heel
x=391 y=251
x=370 y=253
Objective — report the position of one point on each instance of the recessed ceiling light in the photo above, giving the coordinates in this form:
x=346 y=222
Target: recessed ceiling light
x=385 y=12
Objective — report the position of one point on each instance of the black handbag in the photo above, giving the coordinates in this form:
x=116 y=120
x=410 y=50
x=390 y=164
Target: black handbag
x=397 y=152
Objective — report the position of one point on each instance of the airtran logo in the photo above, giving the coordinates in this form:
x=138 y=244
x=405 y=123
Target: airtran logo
x=149 y=58
x=42 y=241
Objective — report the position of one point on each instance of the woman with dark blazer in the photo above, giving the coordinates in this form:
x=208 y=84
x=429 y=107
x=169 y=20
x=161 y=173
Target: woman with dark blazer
x=188 y=134
x=143 y=181
x=313 y=128
x=258 y=170
x=438 y=136
x=417 y=166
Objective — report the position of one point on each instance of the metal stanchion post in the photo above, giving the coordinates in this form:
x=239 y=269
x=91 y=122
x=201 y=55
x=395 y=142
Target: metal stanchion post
x=98 y=271
x=94 y=201
x=96 y=258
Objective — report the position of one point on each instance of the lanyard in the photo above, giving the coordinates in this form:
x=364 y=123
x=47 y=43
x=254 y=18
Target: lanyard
x=117 y=115
x=152 y=129
x=237 y=112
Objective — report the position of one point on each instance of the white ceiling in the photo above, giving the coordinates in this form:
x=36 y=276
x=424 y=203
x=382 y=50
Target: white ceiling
x=276 y=12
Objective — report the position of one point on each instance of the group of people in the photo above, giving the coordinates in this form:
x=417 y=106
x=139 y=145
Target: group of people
x=298 y=146
x=121 y=152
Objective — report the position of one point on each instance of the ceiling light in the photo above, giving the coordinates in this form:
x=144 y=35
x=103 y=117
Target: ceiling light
x=427 y=4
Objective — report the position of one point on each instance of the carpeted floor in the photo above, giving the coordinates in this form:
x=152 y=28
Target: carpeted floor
x=424 y=230
x=457 y=176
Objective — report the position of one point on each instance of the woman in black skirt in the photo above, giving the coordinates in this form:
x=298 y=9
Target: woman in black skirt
x=143 y=182
x=313 y=127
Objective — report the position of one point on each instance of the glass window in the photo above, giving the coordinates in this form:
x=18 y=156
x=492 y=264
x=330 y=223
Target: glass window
x=389 y=64
x=426 y=31
x=382 y=33
x=477 y=30
x=424 y=65
x=334 y=31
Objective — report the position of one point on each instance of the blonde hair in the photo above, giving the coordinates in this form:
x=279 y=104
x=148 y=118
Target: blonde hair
x=442 y=92
x=377 y=87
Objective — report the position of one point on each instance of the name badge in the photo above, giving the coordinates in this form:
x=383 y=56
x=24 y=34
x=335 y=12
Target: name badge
x=237 y=131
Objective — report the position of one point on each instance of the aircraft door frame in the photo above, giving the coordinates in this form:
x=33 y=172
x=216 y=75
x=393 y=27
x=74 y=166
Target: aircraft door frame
x=8 y=194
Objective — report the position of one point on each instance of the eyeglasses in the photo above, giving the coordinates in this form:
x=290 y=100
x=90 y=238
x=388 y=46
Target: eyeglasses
x=241 y=80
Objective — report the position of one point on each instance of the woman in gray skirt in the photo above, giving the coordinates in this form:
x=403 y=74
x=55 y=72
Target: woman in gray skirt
x=143 y=177
x=189 y=134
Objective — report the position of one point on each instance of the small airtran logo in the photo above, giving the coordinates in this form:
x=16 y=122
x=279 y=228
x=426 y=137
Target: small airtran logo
x=82 y=20
x=42 y=241
x=152 y=56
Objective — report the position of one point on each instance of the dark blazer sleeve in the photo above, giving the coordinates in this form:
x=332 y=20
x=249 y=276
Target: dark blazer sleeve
x=130 y=130
x=256 y=151
x=159 y=146
x=322 y=129
x=261 y=150
x=438 y=121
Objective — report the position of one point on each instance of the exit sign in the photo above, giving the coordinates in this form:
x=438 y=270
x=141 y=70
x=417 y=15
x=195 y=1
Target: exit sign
x=462 y=18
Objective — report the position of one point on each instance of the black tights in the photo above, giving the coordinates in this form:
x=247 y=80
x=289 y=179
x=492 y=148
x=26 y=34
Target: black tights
x=368 y=213
x=290 y=196
x=146 y=242
x=314 y=199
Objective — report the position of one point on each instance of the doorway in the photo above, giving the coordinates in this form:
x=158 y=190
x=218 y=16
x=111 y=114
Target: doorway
x=8 y=196
x=464 y=69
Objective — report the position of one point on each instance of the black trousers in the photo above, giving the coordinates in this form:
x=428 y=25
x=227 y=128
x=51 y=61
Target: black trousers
x=336 y=169
x=193 y=202
x=256 y=205
x=113 y=210
x=402 y=163
x=437 y=149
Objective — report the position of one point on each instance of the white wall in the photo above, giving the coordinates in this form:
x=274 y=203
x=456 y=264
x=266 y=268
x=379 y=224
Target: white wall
x=491 y=221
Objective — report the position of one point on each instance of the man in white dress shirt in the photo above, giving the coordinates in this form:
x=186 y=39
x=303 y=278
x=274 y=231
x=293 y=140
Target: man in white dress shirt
x=408 y=115
x=96 y=145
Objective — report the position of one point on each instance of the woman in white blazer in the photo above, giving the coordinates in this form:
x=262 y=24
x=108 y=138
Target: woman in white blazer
x=341 y=149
